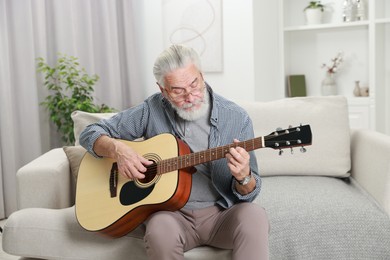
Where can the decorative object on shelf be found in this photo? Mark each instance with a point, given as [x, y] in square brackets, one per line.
[364, 91]
[314, 12]
[360, 10]
[348, 7]
[356, 90]
[329, 86]
[296, 86]
[359, 91]
[354, 10]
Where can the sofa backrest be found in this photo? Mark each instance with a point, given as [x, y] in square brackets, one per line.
[329, 154]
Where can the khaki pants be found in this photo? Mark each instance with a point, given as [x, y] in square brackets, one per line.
[242, 228]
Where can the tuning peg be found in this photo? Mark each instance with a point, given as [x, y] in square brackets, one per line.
[290, 126]
[278, 129]
[292, 150]
[280, 152]
[303, 149]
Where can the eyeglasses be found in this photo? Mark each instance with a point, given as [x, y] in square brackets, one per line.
[180, 94]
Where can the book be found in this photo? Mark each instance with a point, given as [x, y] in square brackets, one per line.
[296, 85]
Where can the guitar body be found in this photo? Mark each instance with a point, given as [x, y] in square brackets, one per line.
[111, 204]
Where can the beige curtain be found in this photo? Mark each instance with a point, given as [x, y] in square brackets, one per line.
[2, 209]
[100, 32]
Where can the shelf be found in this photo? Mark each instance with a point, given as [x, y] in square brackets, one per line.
[367, 55]
[326, 26]
[363, 101]
[382, 21]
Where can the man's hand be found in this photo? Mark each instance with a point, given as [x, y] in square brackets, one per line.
[238, 162]
[130, 164]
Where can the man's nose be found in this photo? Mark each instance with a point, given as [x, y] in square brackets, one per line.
[189, 97]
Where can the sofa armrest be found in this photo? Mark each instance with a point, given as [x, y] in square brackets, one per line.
[45, 182]
[370, 153]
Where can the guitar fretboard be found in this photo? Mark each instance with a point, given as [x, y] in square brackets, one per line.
[212, 154]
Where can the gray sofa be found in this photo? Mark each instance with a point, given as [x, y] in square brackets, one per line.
[332, 202]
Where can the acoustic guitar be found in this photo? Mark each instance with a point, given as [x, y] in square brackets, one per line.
[108, 203]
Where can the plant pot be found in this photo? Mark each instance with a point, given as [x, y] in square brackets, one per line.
[313, 16]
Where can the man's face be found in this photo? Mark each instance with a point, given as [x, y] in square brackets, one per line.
[185, 89]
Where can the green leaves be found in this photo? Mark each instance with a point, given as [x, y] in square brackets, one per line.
[314, 5]
[70, 88]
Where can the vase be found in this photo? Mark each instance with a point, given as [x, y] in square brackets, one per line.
[329, 87]
[360, 10]
[347, 11]
[356, 90]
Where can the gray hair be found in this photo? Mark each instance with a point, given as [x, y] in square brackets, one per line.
[174, 57]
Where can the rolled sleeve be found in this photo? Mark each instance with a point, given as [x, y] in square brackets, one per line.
[89, 136]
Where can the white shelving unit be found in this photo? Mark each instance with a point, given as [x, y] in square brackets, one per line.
[366, 48]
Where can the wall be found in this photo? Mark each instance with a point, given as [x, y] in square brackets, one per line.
[237, 80]
[251, 44]
[266, 50]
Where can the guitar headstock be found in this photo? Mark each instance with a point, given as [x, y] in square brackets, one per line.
[299, 136]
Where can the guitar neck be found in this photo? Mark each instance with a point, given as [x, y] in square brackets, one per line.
[212, 154]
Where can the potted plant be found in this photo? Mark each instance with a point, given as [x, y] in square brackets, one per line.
[314, 12]
[70, 88]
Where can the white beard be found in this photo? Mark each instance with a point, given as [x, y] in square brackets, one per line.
[192, 115]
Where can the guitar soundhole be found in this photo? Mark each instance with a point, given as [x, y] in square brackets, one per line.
[151, 175]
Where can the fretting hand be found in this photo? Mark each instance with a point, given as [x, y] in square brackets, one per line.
[238, 162]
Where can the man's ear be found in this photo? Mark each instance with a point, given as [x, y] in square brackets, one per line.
[164, 93]
[160, 87]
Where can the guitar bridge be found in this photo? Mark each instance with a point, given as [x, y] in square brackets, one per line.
[113, 180]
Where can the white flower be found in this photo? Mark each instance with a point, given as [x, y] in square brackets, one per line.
[336, 61]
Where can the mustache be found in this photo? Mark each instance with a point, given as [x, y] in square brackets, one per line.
[196, 102]
[194, 114]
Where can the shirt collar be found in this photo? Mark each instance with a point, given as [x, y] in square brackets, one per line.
[214, 106]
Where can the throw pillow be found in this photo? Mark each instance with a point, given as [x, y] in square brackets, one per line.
[75, 154]
[82, 119]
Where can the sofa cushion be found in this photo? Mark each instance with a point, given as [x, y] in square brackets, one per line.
[316, 217]
[75, 154]
[82, 119]
[56, 234]
[329, 154]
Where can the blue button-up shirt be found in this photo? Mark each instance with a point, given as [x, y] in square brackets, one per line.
[156, 116]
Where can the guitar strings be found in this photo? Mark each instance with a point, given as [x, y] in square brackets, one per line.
[152, 169]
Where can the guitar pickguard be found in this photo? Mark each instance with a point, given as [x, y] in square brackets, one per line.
[131, 193]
